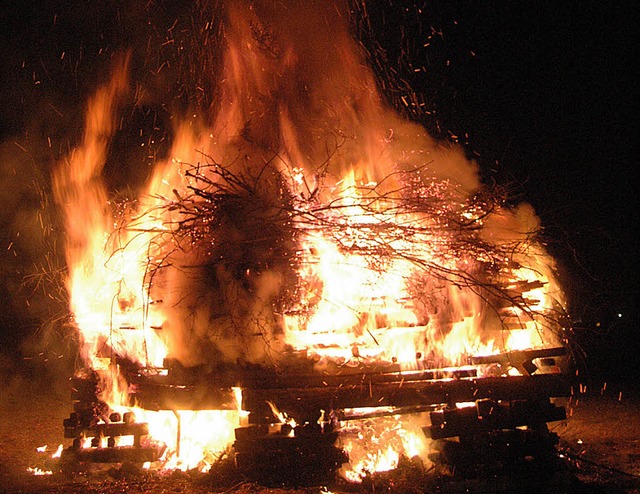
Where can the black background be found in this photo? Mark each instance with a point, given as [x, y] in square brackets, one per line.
[542, 93]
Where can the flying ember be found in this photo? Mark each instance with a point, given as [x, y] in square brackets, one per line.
[299, 226]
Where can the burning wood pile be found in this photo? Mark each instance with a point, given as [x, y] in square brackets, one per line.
[304, 263]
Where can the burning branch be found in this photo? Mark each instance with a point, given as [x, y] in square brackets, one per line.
[238, 232]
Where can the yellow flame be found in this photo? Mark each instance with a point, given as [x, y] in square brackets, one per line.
[376, 445]
[352, 307]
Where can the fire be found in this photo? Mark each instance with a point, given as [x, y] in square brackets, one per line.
[329, 226]
[376, 444]
[106, 279]
[193, 439]
[352, 298]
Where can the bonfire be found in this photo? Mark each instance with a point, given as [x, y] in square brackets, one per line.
[299, 231]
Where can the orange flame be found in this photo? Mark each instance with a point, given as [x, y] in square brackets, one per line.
[375, 445]
[143, 290]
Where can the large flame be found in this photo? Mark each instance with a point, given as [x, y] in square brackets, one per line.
[334, 227]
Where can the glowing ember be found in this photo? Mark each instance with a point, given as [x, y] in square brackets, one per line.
[376, 444]
[38, 471]
[302, 216]
[45, 471]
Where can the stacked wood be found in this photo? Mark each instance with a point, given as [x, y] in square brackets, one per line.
[303, 454]
[303, 394]
[95, 429]
[491, 415]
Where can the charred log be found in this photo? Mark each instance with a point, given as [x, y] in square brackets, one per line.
[292, 456]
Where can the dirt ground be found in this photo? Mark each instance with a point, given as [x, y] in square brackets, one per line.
[599, 449]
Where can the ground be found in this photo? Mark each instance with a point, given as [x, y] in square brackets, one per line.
[599, 449]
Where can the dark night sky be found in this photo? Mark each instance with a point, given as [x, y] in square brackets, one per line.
[544, 90]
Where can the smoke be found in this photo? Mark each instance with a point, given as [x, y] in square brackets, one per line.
[35, 343]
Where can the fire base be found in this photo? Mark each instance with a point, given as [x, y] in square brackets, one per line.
[294, 456]
[477, 424]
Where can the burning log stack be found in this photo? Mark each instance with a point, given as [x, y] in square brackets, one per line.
[97, 431]
[484, 409]
[476, 424]
[304, 253]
